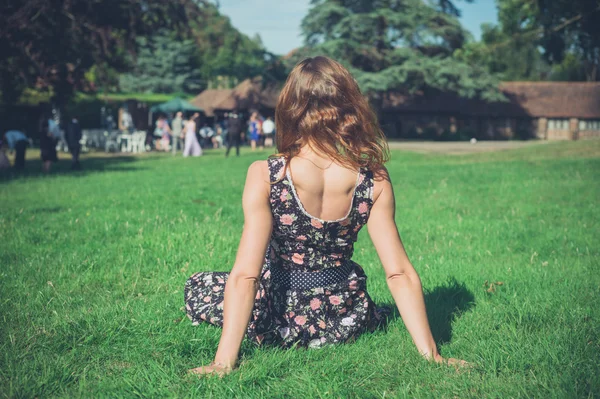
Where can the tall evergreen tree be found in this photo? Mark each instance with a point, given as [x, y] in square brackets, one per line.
[164, 64]
[394, 45]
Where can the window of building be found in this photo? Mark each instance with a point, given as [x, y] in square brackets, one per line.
[589, 124]
[558, 124]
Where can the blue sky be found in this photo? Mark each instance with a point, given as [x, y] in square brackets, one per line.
[278, 21]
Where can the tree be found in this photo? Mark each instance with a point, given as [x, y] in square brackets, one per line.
[53, 43]
[540, 40]
[510, 48]
[226, 53]
[448, 7]
[394, 45]
[572, 27]
[164, 64]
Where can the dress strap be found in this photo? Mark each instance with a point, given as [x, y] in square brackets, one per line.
[276, 168]
[277, 179]
[363, 200]
[365, 186]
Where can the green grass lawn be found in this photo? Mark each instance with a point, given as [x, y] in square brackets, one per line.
[93, 263]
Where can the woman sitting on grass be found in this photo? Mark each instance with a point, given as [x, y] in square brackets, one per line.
[304, 208]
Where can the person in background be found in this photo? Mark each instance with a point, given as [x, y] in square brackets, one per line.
[47, 145]
[17, 141]
[73, 142]
[126, 121]
[253, 129]
[224, 127]
[163, 131]
[261, 134]
[192, 147]
[217, 139]
[268, 127]
[177, 132]
[207, 133]
[4, 162]
[234, 132]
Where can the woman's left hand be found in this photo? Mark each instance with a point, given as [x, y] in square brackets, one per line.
[211, 369]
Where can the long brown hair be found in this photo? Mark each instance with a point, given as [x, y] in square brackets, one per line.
[321, 106]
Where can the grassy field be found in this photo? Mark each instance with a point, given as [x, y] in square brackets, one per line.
[92, 267]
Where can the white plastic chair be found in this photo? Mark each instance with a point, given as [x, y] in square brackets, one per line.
[138, 141]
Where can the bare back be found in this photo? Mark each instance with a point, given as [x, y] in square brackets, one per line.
[324, 189]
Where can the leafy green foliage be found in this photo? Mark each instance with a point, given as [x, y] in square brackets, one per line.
[540, 40]
[510, 49]
[164, 64]
[54, 44]
[400, 45]
[448, 7]
[572, 27]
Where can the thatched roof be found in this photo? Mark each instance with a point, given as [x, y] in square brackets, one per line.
[250, 94]
[209, 98]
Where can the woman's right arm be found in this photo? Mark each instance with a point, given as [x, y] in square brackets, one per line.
[402, 279]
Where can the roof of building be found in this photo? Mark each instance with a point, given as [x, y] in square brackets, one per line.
[209, 98]
[250, 94]
[555, 99]
[524, 99]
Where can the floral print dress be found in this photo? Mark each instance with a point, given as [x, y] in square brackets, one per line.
[300, 244]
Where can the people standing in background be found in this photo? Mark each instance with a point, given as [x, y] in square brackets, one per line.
[268, 127]
[73, 138]
[17, 141]
[253, 129]
[47, 145]
[192, 147]
[234, 132]
[177, 132]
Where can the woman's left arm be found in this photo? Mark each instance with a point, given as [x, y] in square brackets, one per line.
[243, 280]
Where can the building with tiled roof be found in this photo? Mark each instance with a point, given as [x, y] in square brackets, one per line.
[544, 110]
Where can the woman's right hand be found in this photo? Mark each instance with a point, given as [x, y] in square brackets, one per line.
[457, 363]
[214, 368]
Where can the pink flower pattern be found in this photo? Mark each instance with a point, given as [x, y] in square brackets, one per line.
[298, 258]
[363, 208]
[286, 219]
[312, 317]
[315, 303]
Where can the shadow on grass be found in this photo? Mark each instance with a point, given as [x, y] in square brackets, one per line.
[90, 164]
[445, 304]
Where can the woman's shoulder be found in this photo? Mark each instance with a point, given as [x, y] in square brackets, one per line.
[258, 173]
[381, 181]
[259, 168]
